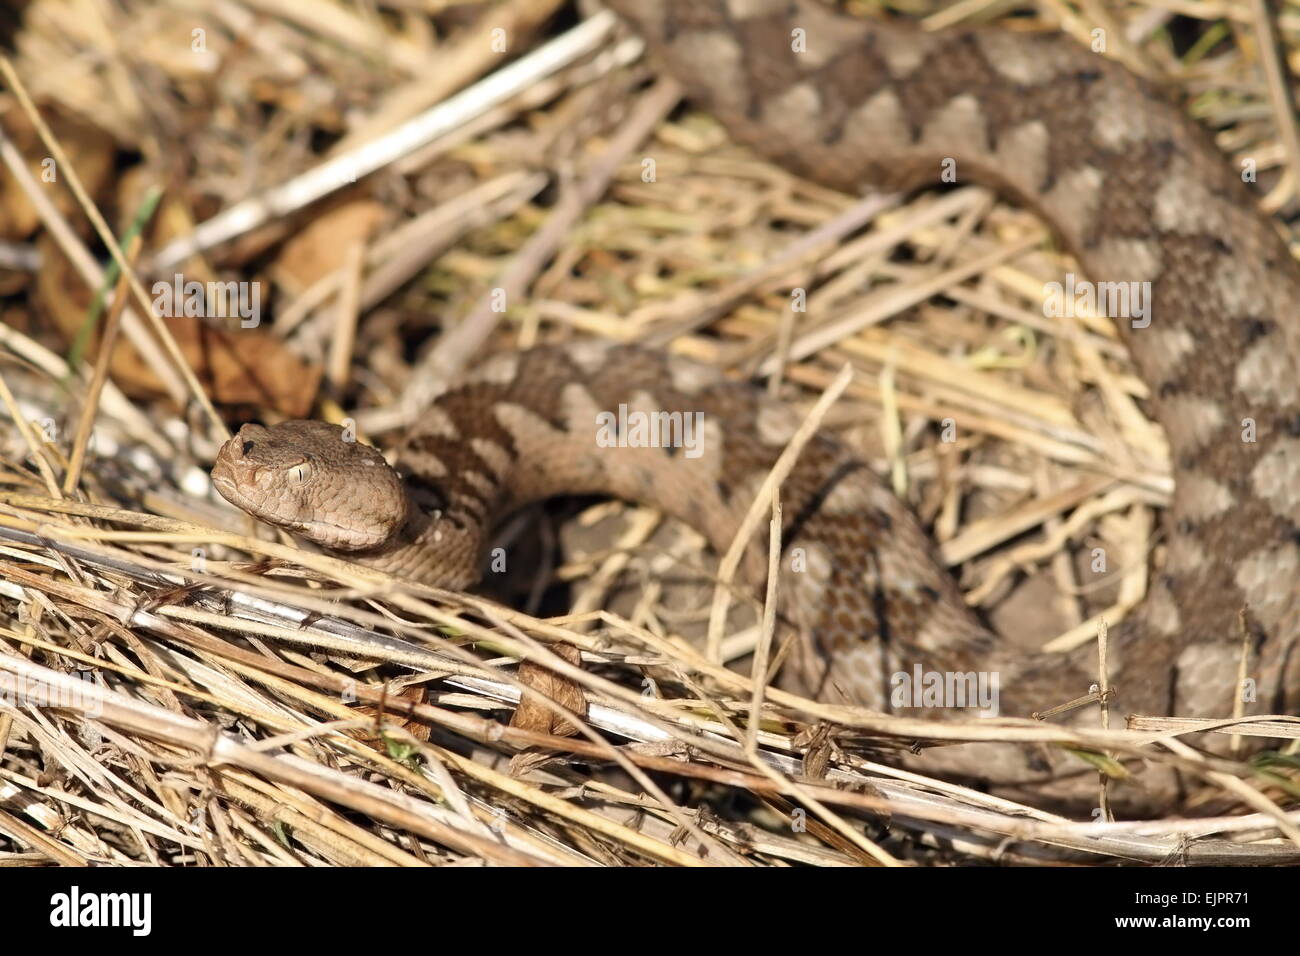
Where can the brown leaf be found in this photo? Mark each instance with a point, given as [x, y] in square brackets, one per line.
[817, 756]
[535, 716]
[89, 149]
[235, 366]
[322, 245]
[247, 367]
[392, 713]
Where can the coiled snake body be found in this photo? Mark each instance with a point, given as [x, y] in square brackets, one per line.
[1136, 191]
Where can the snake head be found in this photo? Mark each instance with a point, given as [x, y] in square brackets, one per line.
[311, 479]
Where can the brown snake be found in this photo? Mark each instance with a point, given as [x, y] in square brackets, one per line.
[1136, 190]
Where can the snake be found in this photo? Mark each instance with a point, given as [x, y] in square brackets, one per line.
[1135, 189]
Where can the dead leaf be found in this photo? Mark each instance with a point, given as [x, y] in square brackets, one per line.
[322, 245]
[535, 716]
[818, 753]
[89, 149]
[393, 713]
[235, 366]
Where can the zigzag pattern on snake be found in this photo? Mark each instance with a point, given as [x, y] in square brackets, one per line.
[1137, 192]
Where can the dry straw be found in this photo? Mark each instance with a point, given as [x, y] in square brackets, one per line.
[257, 704]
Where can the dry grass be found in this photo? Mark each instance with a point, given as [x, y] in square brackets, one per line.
[302, 711]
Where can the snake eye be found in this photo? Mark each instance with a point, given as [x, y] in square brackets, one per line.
[300, 472]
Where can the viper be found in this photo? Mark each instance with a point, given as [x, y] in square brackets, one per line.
[1134, 189]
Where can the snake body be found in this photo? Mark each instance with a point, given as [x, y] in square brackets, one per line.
[1136, 191]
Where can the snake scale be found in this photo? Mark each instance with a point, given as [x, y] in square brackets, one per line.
[1136, 190]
